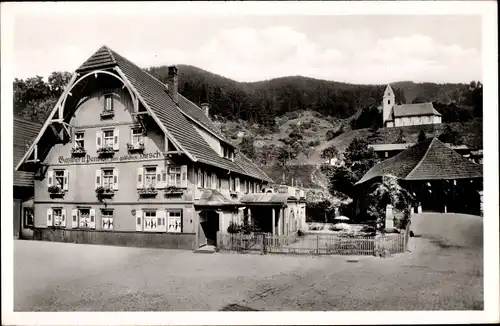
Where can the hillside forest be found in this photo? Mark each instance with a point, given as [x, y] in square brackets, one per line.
[286, 123]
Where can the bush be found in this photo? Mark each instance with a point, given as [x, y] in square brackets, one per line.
[314, 143]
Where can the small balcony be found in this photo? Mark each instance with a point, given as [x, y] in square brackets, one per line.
[135, 148]
[105, 151]
[147, 192]
[56, 192]
[78, 151]
[107, 114]
[104, 193]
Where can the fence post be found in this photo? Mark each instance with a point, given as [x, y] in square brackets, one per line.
[263, 244]
[317, 244]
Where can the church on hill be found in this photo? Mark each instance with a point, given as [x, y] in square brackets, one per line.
[397, 115]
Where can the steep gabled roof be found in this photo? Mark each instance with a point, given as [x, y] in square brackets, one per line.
[427, 160]
[24, 133]
[101, 59]
[170, 115]
[415, 109]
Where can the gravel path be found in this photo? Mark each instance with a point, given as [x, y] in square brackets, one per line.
[438, 274]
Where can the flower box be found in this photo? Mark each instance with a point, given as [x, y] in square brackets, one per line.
[55, 191]
[78, 151]
[135, 147]
[104, 192]
[150, 191]
[107, 114]
[105, 151]
[173, 191]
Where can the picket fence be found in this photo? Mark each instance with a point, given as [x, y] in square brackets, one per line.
[314, 244]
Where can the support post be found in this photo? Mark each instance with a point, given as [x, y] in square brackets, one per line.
[389, 217]
[274, 220]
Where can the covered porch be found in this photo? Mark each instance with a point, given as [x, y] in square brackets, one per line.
[269, 213]
[215, 211]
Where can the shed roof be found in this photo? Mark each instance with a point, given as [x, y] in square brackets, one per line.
[267, 199]
[213, 198]
[24, 133]
[428, 160]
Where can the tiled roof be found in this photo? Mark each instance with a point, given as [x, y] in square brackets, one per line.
[415, 109]
[102, 58]
[428, 160]
[170, 114]
[195, 113]
[267, 198]
[212, 198]
[250, 168]
[24, 133]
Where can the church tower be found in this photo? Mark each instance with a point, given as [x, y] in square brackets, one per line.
[387, 104]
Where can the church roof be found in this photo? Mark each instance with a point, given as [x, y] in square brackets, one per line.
[427, 160]
[415, 109]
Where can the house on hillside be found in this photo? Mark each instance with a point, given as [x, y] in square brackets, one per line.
[126, 159]
[24, 132]
[440, 179]
[396, 115]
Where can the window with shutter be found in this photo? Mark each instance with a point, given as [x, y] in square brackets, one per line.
[49, 217]
[57, 216]
[138, 222]
[140, 180]
[107, 219]
[50, 178]
[74, 218]
[175, 221]
[65, 180]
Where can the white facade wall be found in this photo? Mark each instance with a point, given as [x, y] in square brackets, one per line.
[415, 121]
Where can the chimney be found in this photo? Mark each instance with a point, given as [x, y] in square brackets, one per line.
[205, 107]
[173, 82]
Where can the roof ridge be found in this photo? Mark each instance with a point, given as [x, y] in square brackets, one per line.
[423, 157]
[110, 53]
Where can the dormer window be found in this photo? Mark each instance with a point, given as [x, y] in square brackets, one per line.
[228, 153]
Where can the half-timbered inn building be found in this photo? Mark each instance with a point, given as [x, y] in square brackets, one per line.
[126, 159]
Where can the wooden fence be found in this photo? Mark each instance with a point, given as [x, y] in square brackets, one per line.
[315, 244]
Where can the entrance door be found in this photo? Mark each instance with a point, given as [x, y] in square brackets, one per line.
[210, 227]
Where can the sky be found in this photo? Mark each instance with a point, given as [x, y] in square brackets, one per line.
[346, 48]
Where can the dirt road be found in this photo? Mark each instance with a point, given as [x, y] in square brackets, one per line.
[441, 274]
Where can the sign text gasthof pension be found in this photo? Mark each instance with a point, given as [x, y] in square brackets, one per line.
[88, 158]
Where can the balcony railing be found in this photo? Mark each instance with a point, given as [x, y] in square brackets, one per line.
[107, 114]
[106, 150]
[135, 147]
[78, 151]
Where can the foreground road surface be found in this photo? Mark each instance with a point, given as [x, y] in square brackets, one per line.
[440, 273]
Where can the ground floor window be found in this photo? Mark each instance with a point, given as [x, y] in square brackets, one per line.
[28, 217]
[175, 221]
[57, 213]
[107, 219]
[153, 221]
[86, 218]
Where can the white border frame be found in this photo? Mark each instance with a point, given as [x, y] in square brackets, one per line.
[487, 9]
